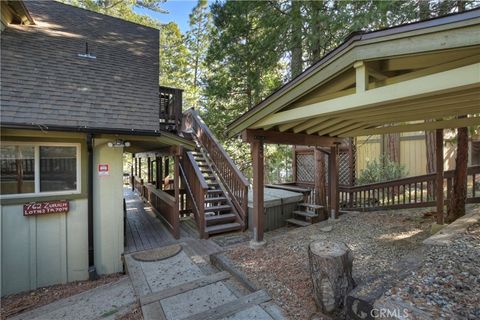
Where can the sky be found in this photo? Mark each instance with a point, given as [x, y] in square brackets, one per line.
[179, 11]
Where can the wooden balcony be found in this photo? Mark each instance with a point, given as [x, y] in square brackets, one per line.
[170, 109]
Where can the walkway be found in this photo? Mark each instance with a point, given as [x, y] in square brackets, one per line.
[143, 229]
[187, 286]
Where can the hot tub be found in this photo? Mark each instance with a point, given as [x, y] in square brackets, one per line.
[278, 204]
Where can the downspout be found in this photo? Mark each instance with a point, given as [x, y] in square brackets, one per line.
[92, 270]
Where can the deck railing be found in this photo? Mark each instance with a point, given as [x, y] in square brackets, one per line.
[170, 109]
[164, 204]
[232, 178]
[405, 193]
[196, 188]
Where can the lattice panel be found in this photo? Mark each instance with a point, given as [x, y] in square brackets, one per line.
[305, 167]
[344, 169]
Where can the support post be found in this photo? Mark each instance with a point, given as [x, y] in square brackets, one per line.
[158, 172]
[333, 171]
[140, 168]
[132, 179]
[258, 203]
[176, 186]
[439, 168]
[149, 170]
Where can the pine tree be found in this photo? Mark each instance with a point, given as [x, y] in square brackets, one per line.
[197, 43]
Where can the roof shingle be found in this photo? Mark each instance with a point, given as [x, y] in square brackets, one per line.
[44, 81]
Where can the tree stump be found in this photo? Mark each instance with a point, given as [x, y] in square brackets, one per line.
[331, 273]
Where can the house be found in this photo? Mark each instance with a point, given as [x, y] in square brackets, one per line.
[78, 89]
[380, 82]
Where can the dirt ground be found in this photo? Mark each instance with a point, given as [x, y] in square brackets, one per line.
[21, 302]
[377, 239]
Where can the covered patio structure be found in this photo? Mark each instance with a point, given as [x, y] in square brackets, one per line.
[414, 77]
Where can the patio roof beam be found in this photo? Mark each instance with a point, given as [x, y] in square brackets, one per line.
[299, 139]
[423, 126]
[447, 81]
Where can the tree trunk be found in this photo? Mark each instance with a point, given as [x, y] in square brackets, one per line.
[296, 62]
[331, 273]
[391, 146]
[424, 9]
[456, 208]
[431, 168]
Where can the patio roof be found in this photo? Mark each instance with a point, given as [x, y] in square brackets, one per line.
[382, 82]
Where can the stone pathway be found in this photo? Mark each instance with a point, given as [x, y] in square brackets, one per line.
[187, 286]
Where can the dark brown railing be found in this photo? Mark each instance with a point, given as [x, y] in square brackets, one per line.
[196, 188]
[170, 115]
[164, 204]
[232, 178]
[404, 193]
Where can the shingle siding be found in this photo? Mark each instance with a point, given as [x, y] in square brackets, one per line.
[44, 81]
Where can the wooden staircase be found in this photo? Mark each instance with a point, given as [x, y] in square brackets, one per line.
[220, 215]
[216, 189]
[305, 215]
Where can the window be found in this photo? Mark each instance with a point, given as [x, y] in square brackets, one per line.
[39, 169]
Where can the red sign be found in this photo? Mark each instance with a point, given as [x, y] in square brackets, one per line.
[103, 170]
[37, 208]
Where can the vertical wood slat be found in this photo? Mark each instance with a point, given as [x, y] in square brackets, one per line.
[393, 194]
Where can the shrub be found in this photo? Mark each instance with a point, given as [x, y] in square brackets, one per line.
[380, 170]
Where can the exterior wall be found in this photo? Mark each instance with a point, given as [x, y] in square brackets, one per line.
[43, 250]
[108, 208]
[413, 152]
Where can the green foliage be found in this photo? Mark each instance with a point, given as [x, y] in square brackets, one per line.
[382, 169]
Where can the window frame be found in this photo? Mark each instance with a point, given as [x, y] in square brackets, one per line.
[36, 175]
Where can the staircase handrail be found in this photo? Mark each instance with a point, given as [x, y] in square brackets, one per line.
[233, 179]
[196, 187]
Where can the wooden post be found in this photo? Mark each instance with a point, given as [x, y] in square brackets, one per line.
[258, 205]
[132, 179]
[140, 168]
[149, 170]
[320, 196]
[333, 171]
[158, 172]
[439, 165]
[176, 186]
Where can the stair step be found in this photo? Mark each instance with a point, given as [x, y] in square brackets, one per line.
[219, 228]
[224, 207]
[202, 165]
[312, 206]
[220, 218]
[214, 191]
[300, 223]
[307, 214]
[215, 199]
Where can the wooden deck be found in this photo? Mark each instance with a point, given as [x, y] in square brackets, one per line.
[143, 229]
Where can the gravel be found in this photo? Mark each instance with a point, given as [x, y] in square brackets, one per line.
[447, 286]
[377, 239]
